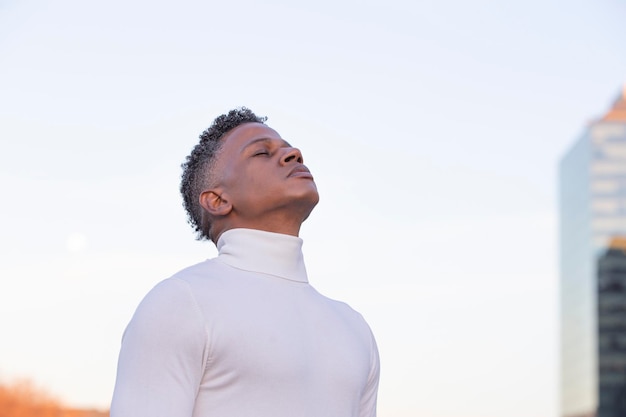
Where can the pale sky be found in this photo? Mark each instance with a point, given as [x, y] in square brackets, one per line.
[433, 129]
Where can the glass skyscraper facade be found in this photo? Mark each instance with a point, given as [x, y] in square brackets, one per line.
[612, 330]
[592, 206]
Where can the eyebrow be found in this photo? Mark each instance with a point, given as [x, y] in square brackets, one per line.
[264, 139]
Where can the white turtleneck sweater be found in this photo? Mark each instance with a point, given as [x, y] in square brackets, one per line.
[245, 335]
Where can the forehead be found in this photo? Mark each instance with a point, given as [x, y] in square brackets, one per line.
[243, 135]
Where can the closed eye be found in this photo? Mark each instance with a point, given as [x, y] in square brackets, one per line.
[262, 152]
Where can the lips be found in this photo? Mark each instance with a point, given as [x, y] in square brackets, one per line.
[300, 171]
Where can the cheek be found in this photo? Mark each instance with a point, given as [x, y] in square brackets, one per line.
[254, 181]
[257, 184]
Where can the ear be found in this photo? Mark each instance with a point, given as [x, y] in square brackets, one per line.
[215, 203]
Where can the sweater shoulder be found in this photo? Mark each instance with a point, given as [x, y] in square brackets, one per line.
[205, 269]
[207, 273]
[178, 292]
[347, 312]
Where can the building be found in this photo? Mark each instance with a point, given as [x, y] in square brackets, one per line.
[592, 208]
[612, 330]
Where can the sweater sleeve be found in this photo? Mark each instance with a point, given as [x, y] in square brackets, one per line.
[370, 393]
[162, 357]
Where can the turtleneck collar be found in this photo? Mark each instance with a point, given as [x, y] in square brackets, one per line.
[265, 252]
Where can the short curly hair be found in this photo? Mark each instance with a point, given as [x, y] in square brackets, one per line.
[199, 165]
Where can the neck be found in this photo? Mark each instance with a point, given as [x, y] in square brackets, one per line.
[274, 254]
[281, 226]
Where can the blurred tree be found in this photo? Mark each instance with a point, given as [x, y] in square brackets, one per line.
[24, 399]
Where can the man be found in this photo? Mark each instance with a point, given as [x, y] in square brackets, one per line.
[244, 334]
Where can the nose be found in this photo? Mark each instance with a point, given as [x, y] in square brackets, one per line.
[292, 154]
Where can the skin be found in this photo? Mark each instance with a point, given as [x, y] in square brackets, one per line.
[260, 183]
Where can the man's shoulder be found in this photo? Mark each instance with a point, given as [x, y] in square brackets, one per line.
[184, 281]
[350, 322]
[184, 286]
[343, 308]
[202, 270]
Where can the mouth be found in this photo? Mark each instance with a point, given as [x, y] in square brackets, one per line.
[300, 171]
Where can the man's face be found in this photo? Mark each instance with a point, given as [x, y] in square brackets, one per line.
[262, 176]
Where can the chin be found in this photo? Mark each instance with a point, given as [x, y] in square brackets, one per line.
[307, 203]
[312, 197]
